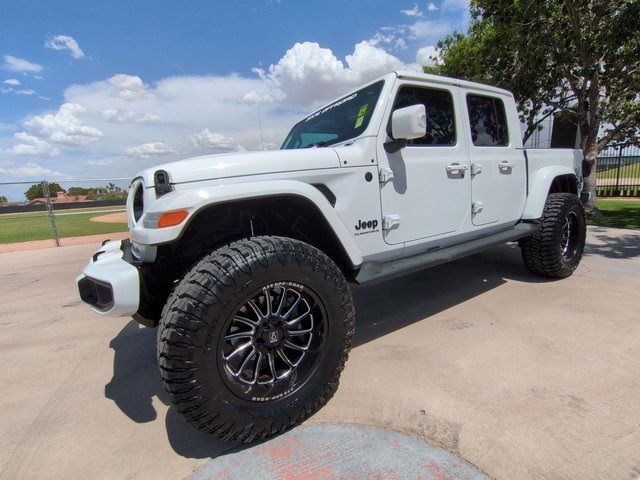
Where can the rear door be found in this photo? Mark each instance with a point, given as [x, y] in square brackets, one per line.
[498, 169]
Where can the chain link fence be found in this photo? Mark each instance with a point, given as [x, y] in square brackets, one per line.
[618, 171]
[52, 211]
[57, 210]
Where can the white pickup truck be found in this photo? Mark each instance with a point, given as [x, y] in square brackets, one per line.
[243, 260]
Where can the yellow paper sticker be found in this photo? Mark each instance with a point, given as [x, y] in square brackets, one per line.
[359, 121]
[363, 110]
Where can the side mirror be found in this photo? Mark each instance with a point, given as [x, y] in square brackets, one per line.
[406, 124]
[409, 122]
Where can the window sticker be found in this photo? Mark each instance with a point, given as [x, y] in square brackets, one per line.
[361, 114]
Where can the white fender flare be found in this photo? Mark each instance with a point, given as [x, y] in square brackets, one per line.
[197, 198]
[539, 187]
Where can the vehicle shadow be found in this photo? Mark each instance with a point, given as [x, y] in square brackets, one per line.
[136, 381]
[381, 309]
[607, 243]
[391, 305]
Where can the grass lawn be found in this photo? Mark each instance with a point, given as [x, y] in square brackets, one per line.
[61, 212]
[35, 226]
[24, 227]
[618, 213]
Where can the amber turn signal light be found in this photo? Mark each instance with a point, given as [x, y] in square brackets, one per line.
[171, 219]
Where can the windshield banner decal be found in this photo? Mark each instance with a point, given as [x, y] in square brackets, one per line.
[334, 105]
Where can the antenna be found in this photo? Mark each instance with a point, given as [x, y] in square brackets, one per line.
[260, 124]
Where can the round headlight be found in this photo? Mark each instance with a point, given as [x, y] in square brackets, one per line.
[138, 201]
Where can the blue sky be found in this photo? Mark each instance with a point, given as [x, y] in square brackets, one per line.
[109, 88]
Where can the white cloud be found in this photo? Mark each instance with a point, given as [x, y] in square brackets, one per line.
[128, 87]
[208, 140]
[254, 97]
[19, 91]
[426, 55]
[20, 65]
[12, 81]
[413, 12]
[129, 116]
[432, 7]
[101, 162]
[182, 105]
[63, 126]
[453, 5]
[148, 150]
[65, 42]
[308, 74]
[32, 145]
[116, 120]
[431, 29]
[368, 61]
[32, 171]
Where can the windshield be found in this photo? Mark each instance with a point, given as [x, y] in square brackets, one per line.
[347, 118]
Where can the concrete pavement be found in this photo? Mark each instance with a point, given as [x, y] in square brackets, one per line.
[524, 378]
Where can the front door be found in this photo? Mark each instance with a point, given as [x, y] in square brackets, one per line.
[430, 192]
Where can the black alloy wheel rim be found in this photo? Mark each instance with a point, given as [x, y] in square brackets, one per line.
[272, 344]
[570, 237]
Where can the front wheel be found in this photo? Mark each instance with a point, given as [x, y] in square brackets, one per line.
[556, 248]
[253, 339]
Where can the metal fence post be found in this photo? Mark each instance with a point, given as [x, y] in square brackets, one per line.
[619, 167]
[52, 219]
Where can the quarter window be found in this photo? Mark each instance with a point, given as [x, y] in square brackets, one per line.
[488, 121]
[438, 104]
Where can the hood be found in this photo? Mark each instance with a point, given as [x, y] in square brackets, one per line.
[210, 167]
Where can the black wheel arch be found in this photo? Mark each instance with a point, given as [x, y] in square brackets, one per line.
[564, 184]
[216, 225]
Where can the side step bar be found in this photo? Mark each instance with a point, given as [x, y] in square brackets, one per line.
[372, 272]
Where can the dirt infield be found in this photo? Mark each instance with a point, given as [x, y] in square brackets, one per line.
[120, 217]
[64, 242]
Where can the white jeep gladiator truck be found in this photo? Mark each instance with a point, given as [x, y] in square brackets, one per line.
[244, 260]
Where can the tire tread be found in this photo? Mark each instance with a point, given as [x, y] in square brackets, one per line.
[200, 288]
[540, 251]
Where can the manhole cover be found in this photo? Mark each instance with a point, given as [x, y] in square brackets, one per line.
[339, 451]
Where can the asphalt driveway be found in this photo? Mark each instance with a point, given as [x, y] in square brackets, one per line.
[524, 378]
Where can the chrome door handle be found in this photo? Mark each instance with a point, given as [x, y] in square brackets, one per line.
[456, 168]
[504, 165]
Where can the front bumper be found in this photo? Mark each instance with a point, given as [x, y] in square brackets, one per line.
[109, 283]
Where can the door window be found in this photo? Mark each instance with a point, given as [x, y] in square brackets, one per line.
[438, 104]
[488, 121]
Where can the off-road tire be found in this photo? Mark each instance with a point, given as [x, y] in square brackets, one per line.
[193, 322]
[544, 252]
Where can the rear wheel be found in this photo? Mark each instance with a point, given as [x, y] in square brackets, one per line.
[253, 339]
[555, 250]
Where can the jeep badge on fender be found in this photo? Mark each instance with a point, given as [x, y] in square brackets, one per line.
[364, 224]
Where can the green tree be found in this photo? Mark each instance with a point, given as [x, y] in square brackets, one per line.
[113, 188]
[72, 191]
[3, 200]
[577, 57]
[37, 191]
